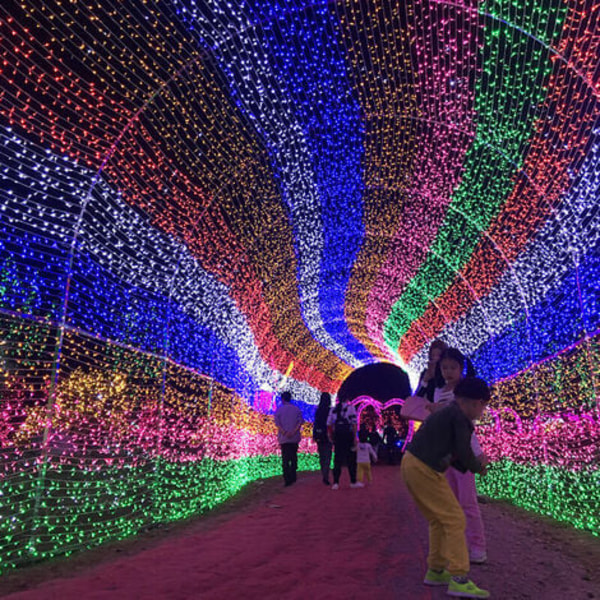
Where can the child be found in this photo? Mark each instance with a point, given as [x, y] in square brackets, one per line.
[444, 439]
[453, 365]
[364, 454]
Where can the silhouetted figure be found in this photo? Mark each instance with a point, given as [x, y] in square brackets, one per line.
[390, 437]
[341, 426]
[320, 436]
[374, 439]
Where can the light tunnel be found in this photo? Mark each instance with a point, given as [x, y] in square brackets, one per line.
[204, 203]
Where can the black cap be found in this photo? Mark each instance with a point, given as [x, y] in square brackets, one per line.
[472, 388]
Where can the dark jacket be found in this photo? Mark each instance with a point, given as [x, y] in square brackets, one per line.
[427, 390]
[320, 426]
[444, 440]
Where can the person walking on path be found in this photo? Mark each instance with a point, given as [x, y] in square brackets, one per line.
[288, 419]
[341, 427]
[320, 436]
[444, 439]
[364, 455]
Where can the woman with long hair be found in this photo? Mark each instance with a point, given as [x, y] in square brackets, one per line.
[324, 445]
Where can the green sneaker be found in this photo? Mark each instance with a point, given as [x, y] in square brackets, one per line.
[434, 578]
[466, 590]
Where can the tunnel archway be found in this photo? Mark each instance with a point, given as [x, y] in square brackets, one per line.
[381, 381]
[379, 388]
[198, 212]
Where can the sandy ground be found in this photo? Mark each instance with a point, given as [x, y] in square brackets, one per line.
[308, 541]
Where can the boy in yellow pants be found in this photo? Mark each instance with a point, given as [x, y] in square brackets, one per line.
[444, 439]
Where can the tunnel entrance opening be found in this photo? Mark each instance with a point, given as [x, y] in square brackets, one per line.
[378, 391]
[381, 381]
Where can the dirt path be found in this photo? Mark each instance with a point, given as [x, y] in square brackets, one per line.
[308, 541]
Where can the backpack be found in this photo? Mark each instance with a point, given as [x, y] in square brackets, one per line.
[342, 429]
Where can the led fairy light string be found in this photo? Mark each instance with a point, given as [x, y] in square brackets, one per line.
[486, 328]
[473, 225]
[533, 394]
[495, 174]
[313, 82]
[424, 333]
[378, 48]
[59, 87]
[567, 101]
[553, 248]
[161, 416]
[565, 382]
[43, 460]
[570, 260]
[265, 231]
[579, 217]
[555, 492]
[229, 276]
[188, 484]
[555, 453]
[468, 288]
[78, 344]
[362, 402]
[77, 228]
[130, 182]
[171, 295]
[550, 463]
[446, 61]
[557, 445]
[335, 136]
[125, 484]
[154, 243]
[26, 365]
[487, 319]
[556, 322]
[255, 46]
[574, 6]
[221, 43]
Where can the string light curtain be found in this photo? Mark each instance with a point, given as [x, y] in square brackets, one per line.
[205, 202]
